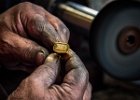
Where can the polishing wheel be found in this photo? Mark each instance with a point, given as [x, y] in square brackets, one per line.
[115, 39]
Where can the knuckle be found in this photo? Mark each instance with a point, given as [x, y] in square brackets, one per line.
[65, 29]
[71, 94]
[31, 80]
[83, 76]
[84, 71]
[25, 4]
[62, 26]
[27, 54]
[37, 24]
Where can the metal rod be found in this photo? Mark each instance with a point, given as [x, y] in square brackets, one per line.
[77, 14]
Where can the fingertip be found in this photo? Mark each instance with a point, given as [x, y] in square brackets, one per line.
[68, 55]
[54, 57]
[41, 56]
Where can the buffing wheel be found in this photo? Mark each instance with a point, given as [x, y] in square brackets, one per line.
[115, 39]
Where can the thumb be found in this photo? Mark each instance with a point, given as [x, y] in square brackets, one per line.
[20, 49]
[48, 71]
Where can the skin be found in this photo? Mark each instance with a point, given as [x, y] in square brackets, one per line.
[27, 34]
[40, 84]
[26, 31]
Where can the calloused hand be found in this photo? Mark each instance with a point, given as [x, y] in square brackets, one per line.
[40, 85]
[26, 30]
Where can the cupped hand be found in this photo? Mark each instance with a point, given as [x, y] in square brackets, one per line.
[26, 30]
[40, 85]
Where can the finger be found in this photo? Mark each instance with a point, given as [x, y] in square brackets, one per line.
[88, 92]
[40, 29]
[60, 27]
[22, 49]
[48, 71]
[47, 29]
[77, 76]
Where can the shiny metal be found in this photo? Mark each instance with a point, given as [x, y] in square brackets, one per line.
[77, 15]
[60, 47]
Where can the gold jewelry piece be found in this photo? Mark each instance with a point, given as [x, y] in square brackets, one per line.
[60, 47]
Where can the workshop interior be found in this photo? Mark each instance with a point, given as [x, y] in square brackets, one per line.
[106, 36]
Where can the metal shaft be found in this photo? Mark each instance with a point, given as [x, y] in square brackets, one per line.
[77, 15]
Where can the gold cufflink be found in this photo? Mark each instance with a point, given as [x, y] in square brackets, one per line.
[60, 47]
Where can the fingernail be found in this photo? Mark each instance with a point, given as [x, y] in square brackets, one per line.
[52, 58]
[40, 58]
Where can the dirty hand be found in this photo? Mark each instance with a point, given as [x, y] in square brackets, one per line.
[24, 30]
[40, 85]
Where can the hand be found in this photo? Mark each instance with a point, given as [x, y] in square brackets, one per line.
[24, 29]
[40, 85]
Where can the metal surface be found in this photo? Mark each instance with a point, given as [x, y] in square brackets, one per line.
[114, 45]
[60, 47]
[76, 14]
[129, 40]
